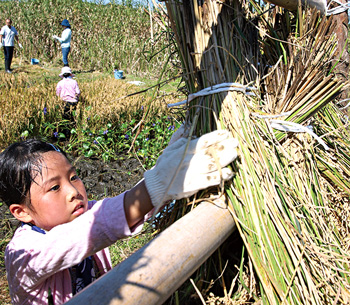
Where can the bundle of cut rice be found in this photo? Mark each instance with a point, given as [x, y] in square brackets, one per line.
[269, 81]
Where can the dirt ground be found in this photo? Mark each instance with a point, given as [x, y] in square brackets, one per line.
[100, 179]
[108, 179]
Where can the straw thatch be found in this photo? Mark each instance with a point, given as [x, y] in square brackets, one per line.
[290, 194]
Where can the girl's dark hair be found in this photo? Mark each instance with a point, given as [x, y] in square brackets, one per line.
[66, 75]
[20, 163]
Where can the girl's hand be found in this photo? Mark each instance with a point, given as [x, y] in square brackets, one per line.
[185, 168]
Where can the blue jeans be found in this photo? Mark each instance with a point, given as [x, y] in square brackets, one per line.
[65, 52]
[8, 54]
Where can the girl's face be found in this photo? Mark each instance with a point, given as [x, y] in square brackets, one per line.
[57, 195]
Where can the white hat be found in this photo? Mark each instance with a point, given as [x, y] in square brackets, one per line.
[66, 70]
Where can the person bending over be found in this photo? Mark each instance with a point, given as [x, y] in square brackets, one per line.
[68, 90]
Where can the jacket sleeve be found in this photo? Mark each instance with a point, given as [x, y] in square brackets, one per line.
[58, 89]
[65, 36]
[32, 257]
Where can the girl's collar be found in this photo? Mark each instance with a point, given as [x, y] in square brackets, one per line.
[34, 227]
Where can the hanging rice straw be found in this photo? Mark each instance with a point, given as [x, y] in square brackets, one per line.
[288, 193]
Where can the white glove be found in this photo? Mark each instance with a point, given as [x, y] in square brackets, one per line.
[1, 45]
[20, 45]
[178, 134]
[54, 36]
[198, 170]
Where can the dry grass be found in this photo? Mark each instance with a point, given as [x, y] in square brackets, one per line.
[108, 98]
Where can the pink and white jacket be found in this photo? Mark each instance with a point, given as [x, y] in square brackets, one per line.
[68, 90]
[36, 263]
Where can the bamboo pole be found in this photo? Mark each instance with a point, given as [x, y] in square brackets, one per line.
[155, 271]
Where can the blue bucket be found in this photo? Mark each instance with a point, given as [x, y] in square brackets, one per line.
[34, 61]
[118, 74]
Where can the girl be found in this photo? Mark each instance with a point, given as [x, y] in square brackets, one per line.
[61, 246]
[65, 41]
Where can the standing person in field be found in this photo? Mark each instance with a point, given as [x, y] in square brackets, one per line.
[68, 90]
[61, 245]
[65, 41]
[8, 34]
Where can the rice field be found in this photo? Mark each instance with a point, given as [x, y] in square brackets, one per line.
[31, 105]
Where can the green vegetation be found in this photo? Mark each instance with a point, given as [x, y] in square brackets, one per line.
[110, 140]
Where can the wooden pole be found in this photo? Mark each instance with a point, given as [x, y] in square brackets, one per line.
[155, 271]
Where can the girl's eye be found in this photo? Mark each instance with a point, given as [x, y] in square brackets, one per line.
[55, 188]
[75, 177]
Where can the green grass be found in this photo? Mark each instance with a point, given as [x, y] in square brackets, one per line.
[122, 249]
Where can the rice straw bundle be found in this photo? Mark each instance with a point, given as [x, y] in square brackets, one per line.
[290, 188]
